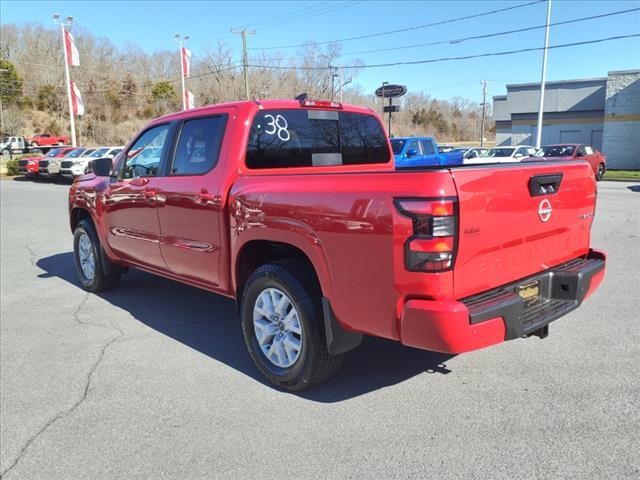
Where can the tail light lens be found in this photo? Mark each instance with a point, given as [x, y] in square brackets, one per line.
[320, 104]
[432, 245]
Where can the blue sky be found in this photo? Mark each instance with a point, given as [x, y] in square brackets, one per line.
[152, 24]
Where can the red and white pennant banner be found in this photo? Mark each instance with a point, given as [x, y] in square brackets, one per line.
[186, 62]
[76, 101]
[190, 100]
[73, 57]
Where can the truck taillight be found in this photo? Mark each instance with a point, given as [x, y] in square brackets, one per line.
[320, 104]
[432, 245]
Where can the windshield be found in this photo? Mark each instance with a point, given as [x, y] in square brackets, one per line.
[556, 151]
[75, 153]
[500, 152]
[54, 152]
[6, 140]
[99, 153]
[397, 145]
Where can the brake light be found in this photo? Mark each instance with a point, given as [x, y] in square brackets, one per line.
[432, 245]
[320, 104]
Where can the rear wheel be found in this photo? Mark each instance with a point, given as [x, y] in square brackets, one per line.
[600, 172]
[283, 326]
[60, 144]
[88, 260]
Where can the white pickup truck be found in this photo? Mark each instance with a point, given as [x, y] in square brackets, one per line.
[16, 144]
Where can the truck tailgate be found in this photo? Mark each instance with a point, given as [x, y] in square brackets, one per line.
[513, 222]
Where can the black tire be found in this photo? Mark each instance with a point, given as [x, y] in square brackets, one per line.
[6, 151]
[314, 364]
[100, 281]
[600, 172]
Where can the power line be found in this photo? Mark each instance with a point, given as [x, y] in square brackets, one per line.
[293, 16]
[407, 29]
[465, 57]
[496, 34]
[306, 15]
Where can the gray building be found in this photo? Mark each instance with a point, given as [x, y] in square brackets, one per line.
[603, 112]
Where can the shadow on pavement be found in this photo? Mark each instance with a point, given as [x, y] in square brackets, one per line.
[634, 188]
[209, 323]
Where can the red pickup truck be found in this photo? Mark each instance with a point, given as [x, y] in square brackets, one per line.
[44, 139]
[295, 210]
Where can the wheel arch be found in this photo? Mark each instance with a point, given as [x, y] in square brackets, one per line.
[254, 253]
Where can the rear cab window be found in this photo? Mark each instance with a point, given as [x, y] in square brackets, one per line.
[290, 138]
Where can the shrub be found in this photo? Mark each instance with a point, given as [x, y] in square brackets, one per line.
[12, 167]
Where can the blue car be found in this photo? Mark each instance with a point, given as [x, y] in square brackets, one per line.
[421, 152]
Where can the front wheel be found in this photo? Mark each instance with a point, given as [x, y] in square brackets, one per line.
[34, 144]
[283, 327]
[88, 260]
[600, 172]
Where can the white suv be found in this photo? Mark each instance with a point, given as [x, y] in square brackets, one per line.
[77, 167]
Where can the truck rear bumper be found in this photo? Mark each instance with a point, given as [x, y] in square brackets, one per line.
[500, 314]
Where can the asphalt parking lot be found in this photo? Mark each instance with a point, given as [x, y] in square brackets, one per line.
[153, 381]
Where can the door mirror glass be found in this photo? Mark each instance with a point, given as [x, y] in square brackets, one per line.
[101, 167]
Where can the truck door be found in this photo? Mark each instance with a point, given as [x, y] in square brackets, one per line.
[429, 155]
[190, 201]
[131, 216]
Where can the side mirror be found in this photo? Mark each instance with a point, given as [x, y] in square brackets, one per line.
[412, 152]
[518, 155]
[101, 167]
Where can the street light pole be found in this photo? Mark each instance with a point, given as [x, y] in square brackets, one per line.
[184, 89]
[72, 123]
[543, 77]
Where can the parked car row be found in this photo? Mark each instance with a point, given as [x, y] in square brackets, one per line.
[412, 152]
[64, 162]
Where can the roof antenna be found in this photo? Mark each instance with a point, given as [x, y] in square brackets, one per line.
[302, 97]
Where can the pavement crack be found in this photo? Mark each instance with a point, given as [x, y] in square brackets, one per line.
[87, 385]
[33, 257]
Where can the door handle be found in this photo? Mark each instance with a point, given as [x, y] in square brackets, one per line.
[204, 197]
[139, 182]
[149, 192]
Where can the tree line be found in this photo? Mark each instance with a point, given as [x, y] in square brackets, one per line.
[124, 87]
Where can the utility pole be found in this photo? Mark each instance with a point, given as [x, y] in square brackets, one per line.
[245, 58]
[543, 77]
[184, 88]
[2, 70]
[334, 74]
[72, 124]
[484, 109]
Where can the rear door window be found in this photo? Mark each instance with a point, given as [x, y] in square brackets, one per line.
[427, 147]
[199, 145]
[315, 138]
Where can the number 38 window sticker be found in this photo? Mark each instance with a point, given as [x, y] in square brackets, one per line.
[277, 125]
